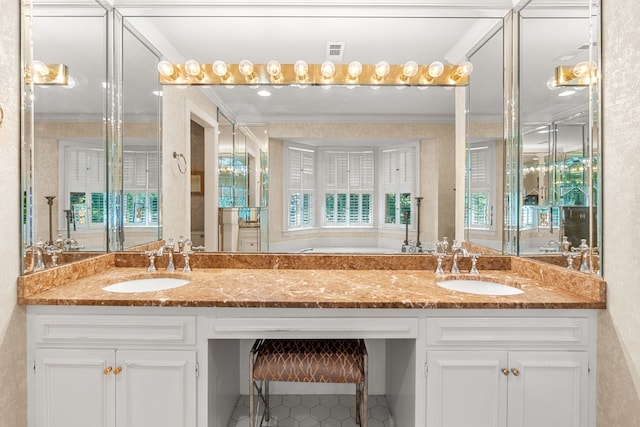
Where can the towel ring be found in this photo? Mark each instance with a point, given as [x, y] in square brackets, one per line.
[181, 168]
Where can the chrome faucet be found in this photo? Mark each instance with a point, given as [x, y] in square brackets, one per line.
[186, 252]
[442, 246]
[458, 250]
[585, 251]
[37, 257]
[169, 249]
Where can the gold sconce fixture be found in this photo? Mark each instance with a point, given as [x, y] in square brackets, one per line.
[582, 74]
[302, 73]
[46, 74]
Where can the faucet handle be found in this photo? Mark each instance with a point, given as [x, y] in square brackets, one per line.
[439, 269]
[474, 261]
[152, 258]
[187, 266]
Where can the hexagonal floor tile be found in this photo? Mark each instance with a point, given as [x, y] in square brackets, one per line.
[315, 411]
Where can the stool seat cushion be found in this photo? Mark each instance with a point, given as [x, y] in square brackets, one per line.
[324, 361]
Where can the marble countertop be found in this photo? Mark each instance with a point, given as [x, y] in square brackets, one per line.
[332, 281]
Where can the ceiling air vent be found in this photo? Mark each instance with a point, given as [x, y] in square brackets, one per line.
[335, 50]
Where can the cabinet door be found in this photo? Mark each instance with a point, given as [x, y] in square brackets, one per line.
[74, 388]
[548, 389]
[466, 388]
[156, 388]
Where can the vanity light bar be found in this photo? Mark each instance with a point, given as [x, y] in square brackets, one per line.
[46, 74]
[582, 74]
[326, 74]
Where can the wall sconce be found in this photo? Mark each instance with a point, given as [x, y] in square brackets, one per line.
[301, 74]
[46, 74]
[582, 74]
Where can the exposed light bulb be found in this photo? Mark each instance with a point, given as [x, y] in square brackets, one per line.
[465, 69]
[274, 68]
[327, 69]
[382, 70]
[192, 68]
[435, 69]
[581, 69]
[354, 69]
[552, 83]
[245, 67]
[39, 68]
[166, 68]
[220, 68]
[301, 68]
[409, 69]
[462, 70]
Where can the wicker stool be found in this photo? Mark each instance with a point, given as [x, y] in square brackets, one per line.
[321, 361]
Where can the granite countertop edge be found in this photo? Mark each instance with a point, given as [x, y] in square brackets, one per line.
[545, 287]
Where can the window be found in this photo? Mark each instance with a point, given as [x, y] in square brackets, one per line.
[480, 201]
[83, 178]
[348, 188]
[398, 185]
[140, 188]
[300, 187]
[83, 183]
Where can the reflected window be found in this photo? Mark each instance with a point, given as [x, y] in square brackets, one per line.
[83, 177]
[348, 187]
[399, 182]
[300, 187]
[481, 173]
[140, 188]
[347, 182]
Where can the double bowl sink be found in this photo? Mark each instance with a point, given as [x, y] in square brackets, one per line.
[470, 285]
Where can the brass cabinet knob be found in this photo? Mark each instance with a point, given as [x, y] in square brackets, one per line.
[505, 371]
[515, 372]
[117, 370]
[108, 370]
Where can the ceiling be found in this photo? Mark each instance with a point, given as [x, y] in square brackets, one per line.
[372, 30]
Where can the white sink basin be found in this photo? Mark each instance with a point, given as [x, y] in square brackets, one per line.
[479, 287]
[146, 285]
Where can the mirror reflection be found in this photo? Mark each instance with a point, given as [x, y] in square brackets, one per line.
[74, 143]
[69, 169]
[560, 160]
[306, 168]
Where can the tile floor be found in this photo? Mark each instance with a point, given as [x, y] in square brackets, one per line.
[313, 410]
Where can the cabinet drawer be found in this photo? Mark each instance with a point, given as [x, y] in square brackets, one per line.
[294, 327]
[527, 332]
[165, 330]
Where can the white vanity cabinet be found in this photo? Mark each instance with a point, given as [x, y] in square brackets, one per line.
[113, 371]
[509, 372]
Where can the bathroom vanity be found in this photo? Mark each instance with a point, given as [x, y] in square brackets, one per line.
[179, 357]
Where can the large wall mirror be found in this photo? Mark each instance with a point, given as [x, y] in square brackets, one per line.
[559, 132]
[73, 206]
[307, 168]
